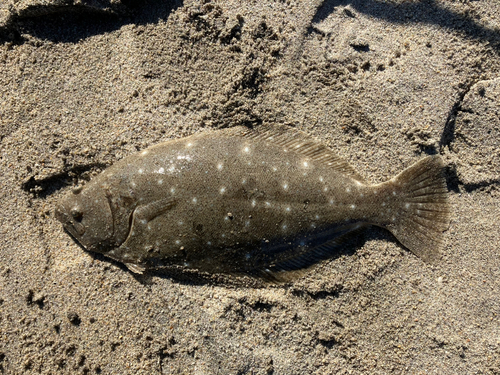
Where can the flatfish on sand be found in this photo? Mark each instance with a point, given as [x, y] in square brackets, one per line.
[262, 202]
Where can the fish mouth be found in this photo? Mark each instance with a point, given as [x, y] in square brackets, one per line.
[75, 228]
[76, 231]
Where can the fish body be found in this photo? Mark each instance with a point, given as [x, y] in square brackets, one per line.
[256, 202]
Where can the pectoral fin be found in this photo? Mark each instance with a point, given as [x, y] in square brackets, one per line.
[151, 210]
[136, 268]
[131, 252]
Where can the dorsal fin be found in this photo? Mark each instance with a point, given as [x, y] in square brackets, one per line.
[294, 140]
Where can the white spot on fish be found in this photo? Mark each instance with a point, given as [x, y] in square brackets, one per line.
[306, 164]
[268, 204]
[144, 153]
[320, 179]
[219, 167]
[244, 181]
[353, 206]
[222, 190]
[316, 217]
[288, 209]
[331, 201]
[195, 200]
[141, 171]
[189, 144]
[393, 193]
[284, 227]
[160, 182]
[184, 157]
[161, 170]
[393, 218]
[348, 189]
[275, 169]
[358, 183]
[209, 243]
[144, 222]
[246, 149]
[172, 190]
[285, 186]
[325, 189]
[383, 204]
[180, 222]
[177, 242]
[254, 202]
[407, 205]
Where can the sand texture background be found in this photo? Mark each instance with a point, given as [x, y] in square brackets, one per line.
[84, 83]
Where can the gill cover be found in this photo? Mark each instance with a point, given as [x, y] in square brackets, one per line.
[86, 215]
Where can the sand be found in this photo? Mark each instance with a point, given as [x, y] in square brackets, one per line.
[384, 83]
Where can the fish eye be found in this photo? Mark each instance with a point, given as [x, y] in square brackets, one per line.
[77, 214]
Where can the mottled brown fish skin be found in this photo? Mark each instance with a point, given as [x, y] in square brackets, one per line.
[257, 202]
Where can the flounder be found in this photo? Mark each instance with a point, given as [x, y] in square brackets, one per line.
[263, 202]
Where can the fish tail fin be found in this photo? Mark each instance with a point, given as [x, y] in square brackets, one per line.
[421, 199]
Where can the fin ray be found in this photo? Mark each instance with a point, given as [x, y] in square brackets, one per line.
[420, 229]
[296, 265]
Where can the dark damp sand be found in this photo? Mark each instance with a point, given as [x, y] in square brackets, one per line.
[383, 84]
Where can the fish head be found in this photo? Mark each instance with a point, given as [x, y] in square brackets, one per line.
[86, 214]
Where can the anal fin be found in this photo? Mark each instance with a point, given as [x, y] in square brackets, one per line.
[296, 263]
